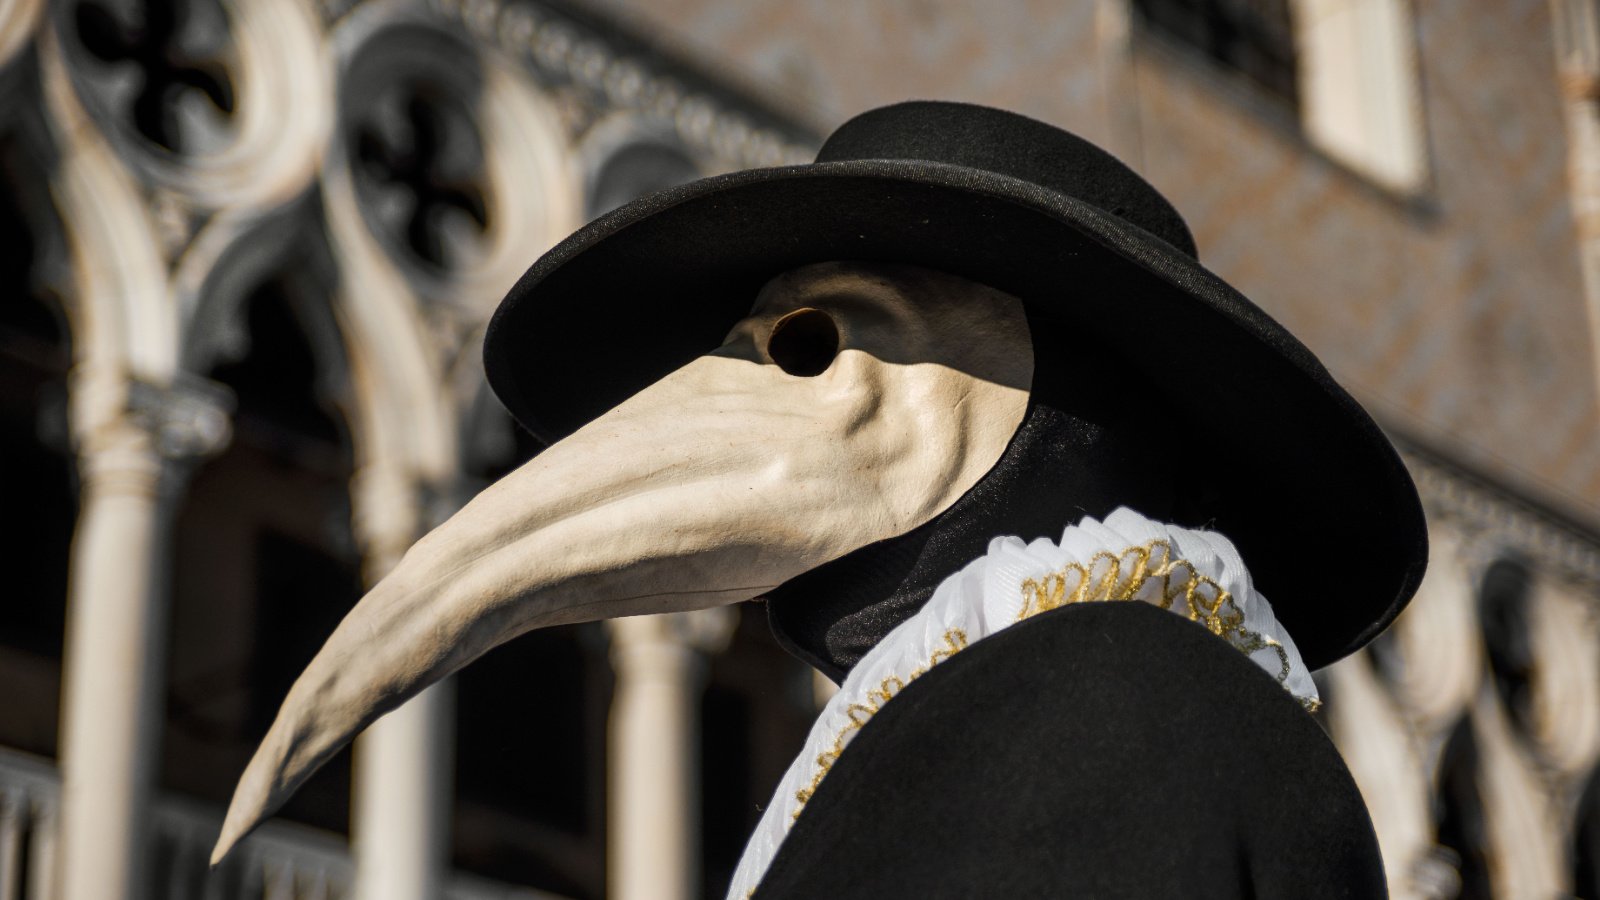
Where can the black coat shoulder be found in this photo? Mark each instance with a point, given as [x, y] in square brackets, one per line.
[1099, 750]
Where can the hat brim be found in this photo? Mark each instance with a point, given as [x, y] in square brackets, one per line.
[646, 288]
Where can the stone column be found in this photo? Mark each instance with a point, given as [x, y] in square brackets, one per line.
[400, 825]
[132, 440]
[653, 846]
[400, 815]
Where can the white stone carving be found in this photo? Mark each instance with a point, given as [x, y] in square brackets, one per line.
[151, 233]
[18, 18]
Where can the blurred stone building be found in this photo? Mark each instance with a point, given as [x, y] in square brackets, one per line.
[248, 249]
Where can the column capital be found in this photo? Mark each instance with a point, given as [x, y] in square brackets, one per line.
[189, 418]
[128, 430]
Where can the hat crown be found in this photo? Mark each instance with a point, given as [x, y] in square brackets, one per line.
[1005, 143]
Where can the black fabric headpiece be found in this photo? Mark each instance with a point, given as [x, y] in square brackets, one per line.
[1299, 476]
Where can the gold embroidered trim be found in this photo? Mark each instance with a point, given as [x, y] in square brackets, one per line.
[1150, 573]
[955, 640]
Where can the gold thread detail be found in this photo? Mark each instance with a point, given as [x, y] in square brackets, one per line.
[955, 640]
[1151, 573]
[1148, 572]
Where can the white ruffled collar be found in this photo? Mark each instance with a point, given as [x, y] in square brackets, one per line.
[1196, 574]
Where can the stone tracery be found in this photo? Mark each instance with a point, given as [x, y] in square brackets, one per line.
[428, 207]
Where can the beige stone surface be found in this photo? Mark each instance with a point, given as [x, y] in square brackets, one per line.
[1460, 316]
[823, 61]
[1457, 315]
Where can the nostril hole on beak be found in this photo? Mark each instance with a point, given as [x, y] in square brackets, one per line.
[804, 342]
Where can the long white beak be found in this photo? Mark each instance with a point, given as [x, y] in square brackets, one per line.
[714, 485]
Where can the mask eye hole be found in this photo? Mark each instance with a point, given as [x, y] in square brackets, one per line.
[804, 342]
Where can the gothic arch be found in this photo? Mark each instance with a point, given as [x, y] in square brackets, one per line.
[230, 260]
[121, 315]
[17, 21]
[40, 474]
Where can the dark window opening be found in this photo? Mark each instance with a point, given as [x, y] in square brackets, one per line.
[38, 482]
[302, 594]
[531, 762]
[531, 720]
[420, 159]
[1251, 37]
[280, 383]
[1586, 841]
[759, 705]
[266, 563]
[728, 718]
[266, 568]
[184, 94]
[1503, 612]
[1459, 811]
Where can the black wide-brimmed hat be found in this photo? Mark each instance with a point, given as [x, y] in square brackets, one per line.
[1095, 254]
